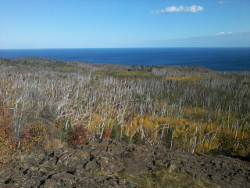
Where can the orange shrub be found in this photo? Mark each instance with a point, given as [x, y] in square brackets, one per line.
[7, 141]
[78, 136]
[107, 134]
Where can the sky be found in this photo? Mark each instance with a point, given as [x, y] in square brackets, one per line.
[36, 24]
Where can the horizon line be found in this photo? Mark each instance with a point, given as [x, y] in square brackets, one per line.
[121, 48]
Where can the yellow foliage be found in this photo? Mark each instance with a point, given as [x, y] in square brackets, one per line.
[35, 135]
[185, 78]
[194, 112]
[95, 122]
[205, 137]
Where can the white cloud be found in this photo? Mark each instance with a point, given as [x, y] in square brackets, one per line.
[224, 33]
[181, 9]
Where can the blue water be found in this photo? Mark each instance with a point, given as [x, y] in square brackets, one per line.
[225, 59]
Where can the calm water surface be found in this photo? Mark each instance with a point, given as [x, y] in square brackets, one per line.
[232, 59]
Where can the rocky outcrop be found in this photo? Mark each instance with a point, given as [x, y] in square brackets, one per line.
[123, 165]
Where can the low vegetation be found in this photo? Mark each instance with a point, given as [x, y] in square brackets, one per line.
[47, 104]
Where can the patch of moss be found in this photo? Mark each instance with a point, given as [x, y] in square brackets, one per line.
[165, 179]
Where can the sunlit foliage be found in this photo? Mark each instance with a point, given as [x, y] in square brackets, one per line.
[189, 109]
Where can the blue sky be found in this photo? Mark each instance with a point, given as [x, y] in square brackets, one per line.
[124, 23]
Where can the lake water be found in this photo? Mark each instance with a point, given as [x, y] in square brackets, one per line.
[225, 59]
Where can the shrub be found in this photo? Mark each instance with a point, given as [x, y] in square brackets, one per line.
[77, 136]
[234, 145]
[7, 141]
[34, 135]
[193, 106]
[107, 134]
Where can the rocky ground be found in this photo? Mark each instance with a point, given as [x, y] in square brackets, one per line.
[123, 165]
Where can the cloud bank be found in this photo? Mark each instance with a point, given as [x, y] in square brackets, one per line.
[181, 9]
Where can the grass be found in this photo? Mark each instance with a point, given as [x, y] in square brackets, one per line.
[191, 109]
[185, 78]
[132, 74]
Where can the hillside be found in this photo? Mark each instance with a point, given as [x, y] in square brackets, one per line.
[83, 125]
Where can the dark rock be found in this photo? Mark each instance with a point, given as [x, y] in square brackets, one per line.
[120, 165]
